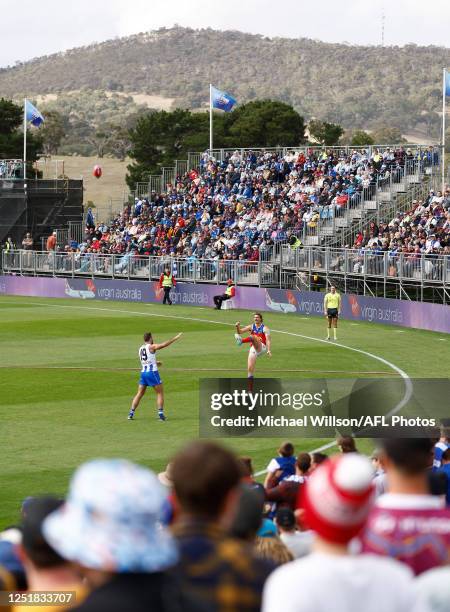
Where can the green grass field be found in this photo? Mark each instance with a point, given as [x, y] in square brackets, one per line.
[69, 368]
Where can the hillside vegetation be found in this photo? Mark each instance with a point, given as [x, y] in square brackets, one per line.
[358, 87]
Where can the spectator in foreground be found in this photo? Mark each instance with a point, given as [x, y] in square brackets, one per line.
[441, 446]
[298, 542]
[45, 569]
[285, 494]
[337, 500]
[379, 479]
[434, 587]
[316, 459]
[407, 522]
[347, 444]
[445, 469]
[273, 549]
[109, 528]
[222, 571]
[282, 466]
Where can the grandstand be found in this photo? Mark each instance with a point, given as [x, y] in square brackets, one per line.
[366, 218]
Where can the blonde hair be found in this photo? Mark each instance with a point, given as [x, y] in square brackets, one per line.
[273, 549]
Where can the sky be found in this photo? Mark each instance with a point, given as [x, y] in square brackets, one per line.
[31, 29]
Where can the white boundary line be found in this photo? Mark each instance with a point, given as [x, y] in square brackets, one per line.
[404, 375]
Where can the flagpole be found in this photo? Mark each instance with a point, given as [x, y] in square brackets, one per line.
[25, 139]
[443, 128]
[210, 120]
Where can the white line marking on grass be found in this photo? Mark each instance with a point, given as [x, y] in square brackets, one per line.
[404, 375]
[442, 339]
[111, 369]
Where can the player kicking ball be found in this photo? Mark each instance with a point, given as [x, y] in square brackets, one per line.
[332, 310]
[150, 375]
[259, 340]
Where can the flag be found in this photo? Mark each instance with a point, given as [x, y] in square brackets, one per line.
[33, 115]
[447, 83]
[222, 99]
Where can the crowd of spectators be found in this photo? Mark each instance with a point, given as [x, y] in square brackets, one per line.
[205, 536]
[240, 207]
[424, 228]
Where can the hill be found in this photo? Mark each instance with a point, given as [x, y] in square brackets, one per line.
[355, 86]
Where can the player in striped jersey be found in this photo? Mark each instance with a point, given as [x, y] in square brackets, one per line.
[259, 340]
[150, 374]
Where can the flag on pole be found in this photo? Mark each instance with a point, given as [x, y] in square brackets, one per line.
[32, 114]
[222, 99]
[447, 83]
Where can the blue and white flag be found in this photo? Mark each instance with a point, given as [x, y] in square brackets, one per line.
[447, 83]
[33, 115]
[222, 99]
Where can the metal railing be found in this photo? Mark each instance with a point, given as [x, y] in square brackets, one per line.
[429, 269]
[366, 262]
[130, 266]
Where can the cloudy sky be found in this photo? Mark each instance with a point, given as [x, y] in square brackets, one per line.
[30, 29]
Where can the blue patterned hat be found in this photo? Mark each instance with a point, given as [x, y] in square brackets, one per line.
[111, 520]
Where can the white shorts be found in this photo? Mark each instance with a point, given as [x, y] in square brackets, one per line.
[263, 350]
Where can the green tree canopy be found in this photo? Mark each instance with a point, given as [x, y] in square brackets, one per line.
[11, 133]
[265, 123]
[361, 138]
[161, 137]
[325, 133]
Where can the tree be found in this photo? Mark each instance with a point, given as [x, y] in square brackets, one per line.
[360, 138]
[53, 131]
[11, 134]
[99, 140]
[161, 137]
[119, 143]
[264, 123]
[325, 133]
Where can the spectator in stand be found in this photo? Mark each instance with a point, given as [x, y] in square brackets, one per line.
[51, 242]
[298, 542]
[222, 571]
[109, 528]
[44, 568]
[337, 500]
[166, 282]
[282, 466]
[229, 293]
[27, 242]
[407, 522]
